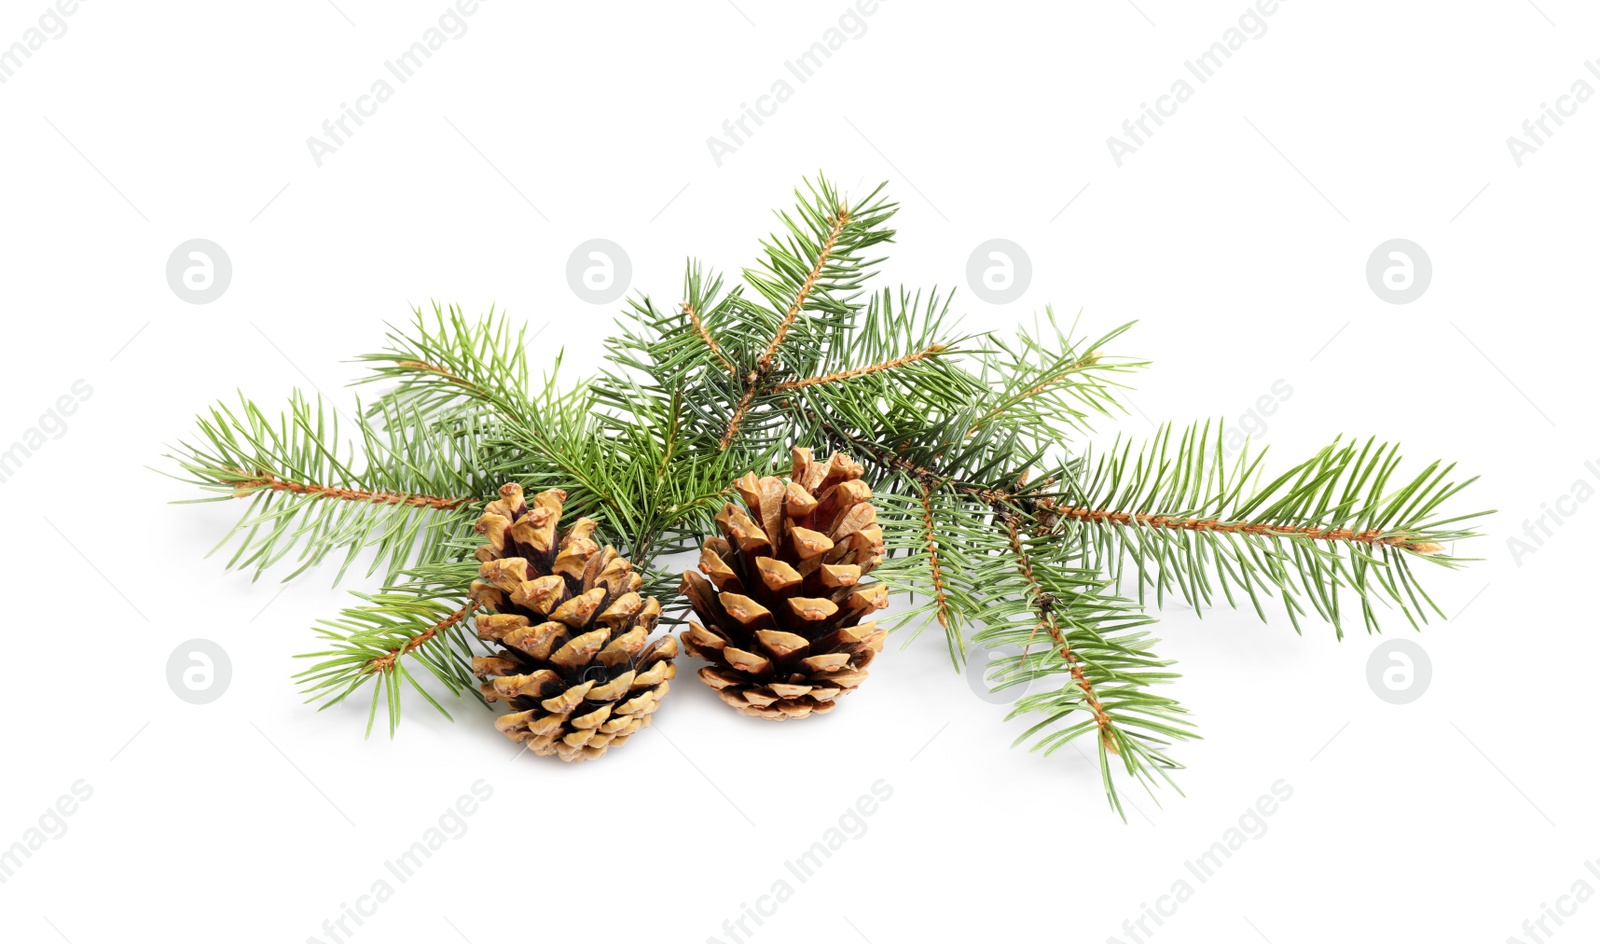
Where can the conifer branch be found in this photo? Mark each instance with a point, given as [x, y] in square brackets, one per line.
[932, 350]
[1047, 384]
[801, 352]
[438, 365]
[839, 220]
[1039, 389]
[705, 335]
[445, 374]
[837, 223]
[250, 482]
[936, 580]
[1043, 605]
[421, 620]
[1372, 536]
[1187, 519]
[396, 487]
[737, 418]
[386, 662]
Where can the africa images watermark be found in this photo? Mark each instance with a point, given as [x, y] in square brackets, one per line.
[1137, 131]
[1552, 515]
[1536, 132]
[851, 824]
[336, 132]
[52, 24]
[51, 824]
[1538, 930]
[851, 24]
[1251, 426]
[52, 424]
[450, 824]
[1251, 824]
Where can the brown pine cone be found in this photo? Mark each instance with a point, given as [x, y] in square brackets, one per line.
[576, 666]
[781, 607]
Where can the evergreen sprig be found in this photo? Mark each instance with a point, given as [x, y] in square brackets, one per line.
[1184, 517]
[421, 620]
[1004, 527]
[450, 362]
[394, 488]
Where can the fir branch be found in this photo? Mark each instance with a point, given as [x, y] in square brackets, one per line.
[386, 662]
[941, 545]
[440, 363]
[1097, 676]
[1187, 519]
[991, 511]
[1044, 605]
[1372, 536]
[836, 225]
[397, 489]
[739, 412]
[931, 350]
[1048, 383]
[807, 277]
[705, 335]
[638, 471]
[420, 620]
[249, 482]
[941, 599]
[1099, 673]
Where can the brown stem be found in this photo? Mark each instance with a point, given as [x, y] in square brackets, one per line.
[444, 372]
[935, 570]
[1374, 536]
[903, 360]
[1049, 382]
[737, 418]
[1047, 622]
[764, 363]
[711, 342]
[385, 663]
[840, 220]
[268, 481]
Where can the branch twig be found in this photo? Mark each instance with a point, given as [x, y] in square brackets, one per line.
[1047, 622]
[752, 383]
[1374, 536]
[705, 335]
[901, 361]
[840, 220]
[265, 480]
[1088, 361]
[385, 663]
[935, 571]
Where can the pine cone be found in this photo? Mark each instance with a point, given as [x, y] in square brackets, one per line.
[781, 609]
[576, 667]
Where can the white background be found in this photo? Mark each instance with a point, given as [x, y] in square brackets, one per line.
[1237, 236]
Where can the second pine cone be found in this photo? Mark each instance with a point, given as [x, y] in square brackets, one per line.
[780, 615]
